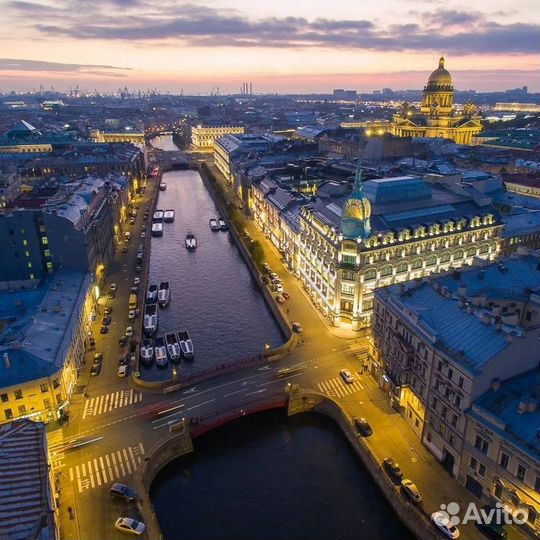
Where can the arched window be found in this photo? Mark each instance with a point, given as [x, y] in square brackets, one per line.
[484, 248]
[370, 274]
[402, 267]
[471, 252]
[386, 271]
[417, 263]
[445, 257]
[458, 254]
[431, 260]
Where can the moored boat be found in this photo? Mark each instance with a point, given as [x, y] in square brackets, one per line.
[186, 345]
[168, 216]
[150, 320]
[157, 229]
[162, 186]
[160, 351]
[147, 352]
[158, 216]
[222, 224]
[214, 225]
[173, 347]
[151, 295]
[191, 242]
[164, 294]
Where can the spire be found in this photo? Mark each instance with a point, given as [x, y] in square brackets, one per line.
[358, 176]
[441, 62]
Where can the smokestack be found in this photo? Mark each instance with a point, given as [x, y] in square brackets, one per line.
[250, 89]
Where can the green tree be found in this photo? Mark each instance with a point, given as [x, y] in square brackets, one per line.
[257, 253]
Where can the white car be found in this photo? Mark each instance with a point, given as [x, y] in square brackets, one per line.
[131, 314]
[410, 489]
[136, 280]
[143, 235]
[113, 287]
[443, 523]
[122, 371]
[129, 331]
[278, 287]
[130, 525]
[346, 376]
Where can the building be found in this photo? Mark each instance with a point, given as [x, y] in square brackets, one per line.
[347, 95]
[203, 137]
[517, 107]
[29, 506]
[437, 116]
[501, 453]
[125, 135]
[389, 230]
[42, 345]
[440, 343]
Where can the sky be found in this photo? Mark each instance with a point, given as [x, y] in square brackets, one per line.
[296, 46]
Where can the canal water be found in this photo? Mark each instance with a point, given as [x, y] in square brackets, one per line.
[213, 295]
[272, 477]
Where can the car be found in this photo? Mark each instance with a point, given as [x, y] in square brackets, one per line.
[138, 269]
[131, 314]
[280, 299]
[107, 311]
[136, 280]
[145, 217]
[265, 280]
[143, 234]
[132, 221]
[122, 341]
[143, 228]
[129, 331]
[346, 375]
[273, 276]
[134, 289]
[106, 320]
[285, 295]
[98, 358]
[124, 249]
[297, 327]
[130, 525]
[104, 330]
[123, 360]
[122, 371]
[443, 523]
[96, 368]
[278, 287]
[411, 491]
[277, 281]
[363, 427]
[493, 530]
[111, 295]
[392, 470]
[113, 287]
[266, 267]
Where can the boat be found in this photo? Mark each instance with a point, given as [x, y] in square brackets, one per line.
[168, 216]
[223, 224]
[163, 294]
[150, 319]
[186, 345]
[173, 347]
[191, 242]
[214, 225]
[151, 295]
[161, 352]
[162, 186]
[158, 216]
[147, 352]
[157, 229]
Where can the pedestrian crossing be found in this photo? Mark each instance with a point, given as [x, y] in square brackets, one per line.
[336, 387]
[55, 445]
[113, 400]
[107, 468]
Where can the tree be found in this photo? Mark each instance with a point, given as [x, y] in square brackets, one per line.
[257, 252]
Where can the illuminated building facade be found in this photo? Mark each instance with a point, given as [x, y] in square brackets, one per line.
[203, 137]
[437, 116]
[125, 136]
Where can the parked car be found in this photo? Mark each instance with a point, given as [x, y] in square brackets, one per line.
[122, 371]
[107, 311]
[98, 358]
[106, 320]
[443, 523]
[273, 276]
[285, 295]
[363, 427]
[411, 491]
[134, 289]
[392, 469]
[104, 330]
[123, 360]
[346, 375]
[143, 234]
[143, 228]
[278, 287]
[132, 221]
[111, 295]
[130, 525]
[265, 280]
[129, 331]
[131, 314]
[138, 269]
[493, 530]
[297, 327]
[280, 299]
[123, 492]
[122, 341]
[124, 249]
[266, 267]
[113, 287]
[95, 370]
[136, 280]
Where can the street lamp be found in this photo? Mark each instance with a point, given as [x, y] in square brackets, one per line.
[266, 348]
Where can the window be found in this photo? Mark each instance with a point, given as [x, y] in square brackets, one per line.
[472, 463]
[22, 410]
[457, 401]
[370, 274]
[481, 444]
[417, 263]
[482, 470]
[458, 254]
[386, 271]
[450, 373]
[460, 382]
[431, 260]
[18, 394]
[9, 414]
[349, 259]
[445, 257]
[521, 470]
[47, 403]
[503, 460]
[44, 240]
[401, 267]
[537, 484]
[4, 398]
[347, 274]
[55, 383]
[471, 252]
[44, 387]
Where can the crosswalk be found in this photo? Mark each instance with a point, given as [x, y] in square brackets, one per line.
[107, 468]
[113, 400]
[55, 444]
[336, 387]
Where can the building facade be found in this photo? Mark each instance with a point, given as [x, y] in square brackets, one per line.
[203, 137]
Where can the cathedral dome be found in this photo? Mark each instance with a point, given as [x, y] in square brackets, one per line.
[359, 209]
[356, 211]
[440, 77]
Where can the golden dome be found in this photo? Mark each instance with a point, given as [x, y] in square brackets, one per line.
[440, 77]
[359, 209]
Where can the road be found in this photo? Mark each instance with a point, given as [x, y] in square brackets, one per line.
[111, 431]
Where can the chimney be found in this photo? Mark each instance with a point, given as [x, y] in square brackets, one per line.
[462, 290]
[495, 384]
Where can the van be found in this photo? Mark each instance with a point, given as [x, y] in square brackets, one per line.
[132, 301]
[127, 236]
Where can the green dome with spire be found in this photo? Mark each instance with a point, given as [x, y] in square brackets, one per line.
[356, 211]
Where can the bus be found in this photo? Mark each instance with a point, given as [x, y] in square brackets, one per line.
[132, 301]
[286, 372]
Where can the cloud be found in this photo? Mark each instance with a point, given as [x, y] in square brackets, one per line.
[12, 64]
[195, 25]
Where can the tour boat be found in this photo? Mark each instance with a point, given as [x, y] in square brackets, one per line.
[158, 216]
[186, 345]
[161, 352]
[162, 186]
[150, 320]
[152, 294]
[223, 224]
[168, 216]
[191, 242]
[163, 294]
[173, 347]
[147, 352]
[157, 229]
[214, 225]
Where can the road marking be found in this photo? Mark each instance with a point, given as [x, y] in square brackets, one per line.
[233, 393]
[336, 387]
[200, 404]
[103, 469]
[257, 392]
[108, 402]
[85, 408]
[171, 409]
[113, 458]
[167, 416]
[71, 474]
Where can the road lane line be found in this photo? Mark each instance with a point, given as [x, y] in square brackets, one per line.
[200, 404]
[280, 380]
[131, 396]
[78, 472]
[116, 399]
[83, 470]
[165, 417]
[98, 477]
[233, 393]
[133, 460]
[85, 409]
[142, 448]
[103, 469]
[98, 405]
[107, 404]
[79, 485]
[171, 409]
[126, 462]
[109, 468]
[116, 470]
[257, 392]
[121, 463]
[71, 474]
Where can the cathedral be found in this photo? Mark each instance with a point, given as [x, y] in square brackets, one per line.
[437, 117]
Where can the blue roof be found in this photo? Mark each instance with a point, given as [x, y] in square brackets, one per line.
[520, 224]
[503, 404]
[398, 189]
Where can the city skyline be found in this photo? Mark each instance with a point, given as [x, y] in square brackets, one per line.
[195, 47]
